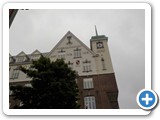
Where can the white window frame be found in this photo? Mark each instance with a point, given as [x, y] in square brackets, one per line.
[77, 53]
[89, 102]
[15, 74]
[35, 57]
[87, 68]
[88, 83]
[61, 55]
[20, 59]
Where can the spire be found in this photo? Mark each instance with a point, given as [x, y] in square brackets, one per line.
[96, 31]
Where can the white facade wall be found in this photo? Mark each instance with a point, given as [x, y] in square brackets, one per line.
[65, 48]
[102, 53]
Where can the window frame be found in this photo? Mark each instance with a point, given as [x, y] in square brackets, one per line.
[77, 53]
[15, 73]
[90, 102]
[88, 83]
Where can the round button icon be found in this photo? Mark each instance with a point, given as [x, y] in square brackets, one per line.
[147, 99]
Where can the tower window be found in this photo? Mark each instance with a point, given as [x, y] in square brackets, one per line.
[89, 102]
[103, 64]
[77, 53]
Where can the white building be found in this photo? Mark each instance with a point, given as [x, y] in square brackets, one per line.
[96, 81]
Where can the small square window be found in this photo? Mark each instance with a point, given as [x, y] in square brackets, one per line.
[88, 83]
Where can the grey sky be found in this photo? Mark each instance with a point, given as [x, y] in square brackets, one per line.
[42, 29]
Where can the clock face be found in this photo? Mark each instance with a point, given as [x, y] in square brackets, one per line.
[99, 45]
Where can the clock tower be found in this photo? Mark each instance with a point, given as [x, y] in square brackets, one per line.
[108, 89]
[99, 44]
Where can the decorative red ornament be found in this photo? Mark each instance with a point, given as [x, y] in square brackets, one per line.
[77, 62]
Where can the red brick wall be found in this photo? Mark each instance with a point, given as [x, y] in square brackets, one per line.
[104, 85]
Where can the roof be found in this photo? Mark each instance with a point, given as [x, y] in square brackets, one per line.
[78, 40]
[28, 55]
[99, 37]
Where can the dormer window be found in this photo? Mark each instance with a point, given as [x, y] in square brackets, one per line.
[20, 59]
[35, 57]
[15, 73]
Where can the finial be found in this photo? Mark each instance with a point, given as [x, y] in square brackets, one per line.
[96, 30]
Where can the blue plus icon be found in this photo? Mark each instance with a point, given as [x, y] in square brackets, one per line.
[147, 99]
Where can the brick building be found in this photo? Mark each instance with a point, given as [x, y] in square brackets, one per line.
[96, 81]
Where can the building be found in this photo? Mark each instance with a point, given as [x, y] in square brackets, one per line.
[96, 81]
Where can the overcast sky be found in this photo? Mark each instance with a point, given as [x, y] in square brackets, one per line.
[42, 29]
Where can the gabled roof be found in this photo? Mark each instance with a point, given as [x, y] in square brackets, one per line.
[21, 54]
[71, 34]
[35, 52]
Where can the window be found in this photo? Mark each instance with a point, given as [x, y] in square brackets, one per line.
[103, 64]
[35, 57]
[61, 54]
[15, 74]
[87, 66]
[20, 59]
[77, 53]
[70, 65]
[89, 102]
[112, 96]
[87, 83]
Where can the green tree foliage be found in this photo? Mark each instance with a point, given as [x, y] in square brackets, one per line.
[53, 86]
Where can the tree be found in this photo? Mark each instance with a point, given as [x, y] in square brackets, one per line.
[53, 86]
